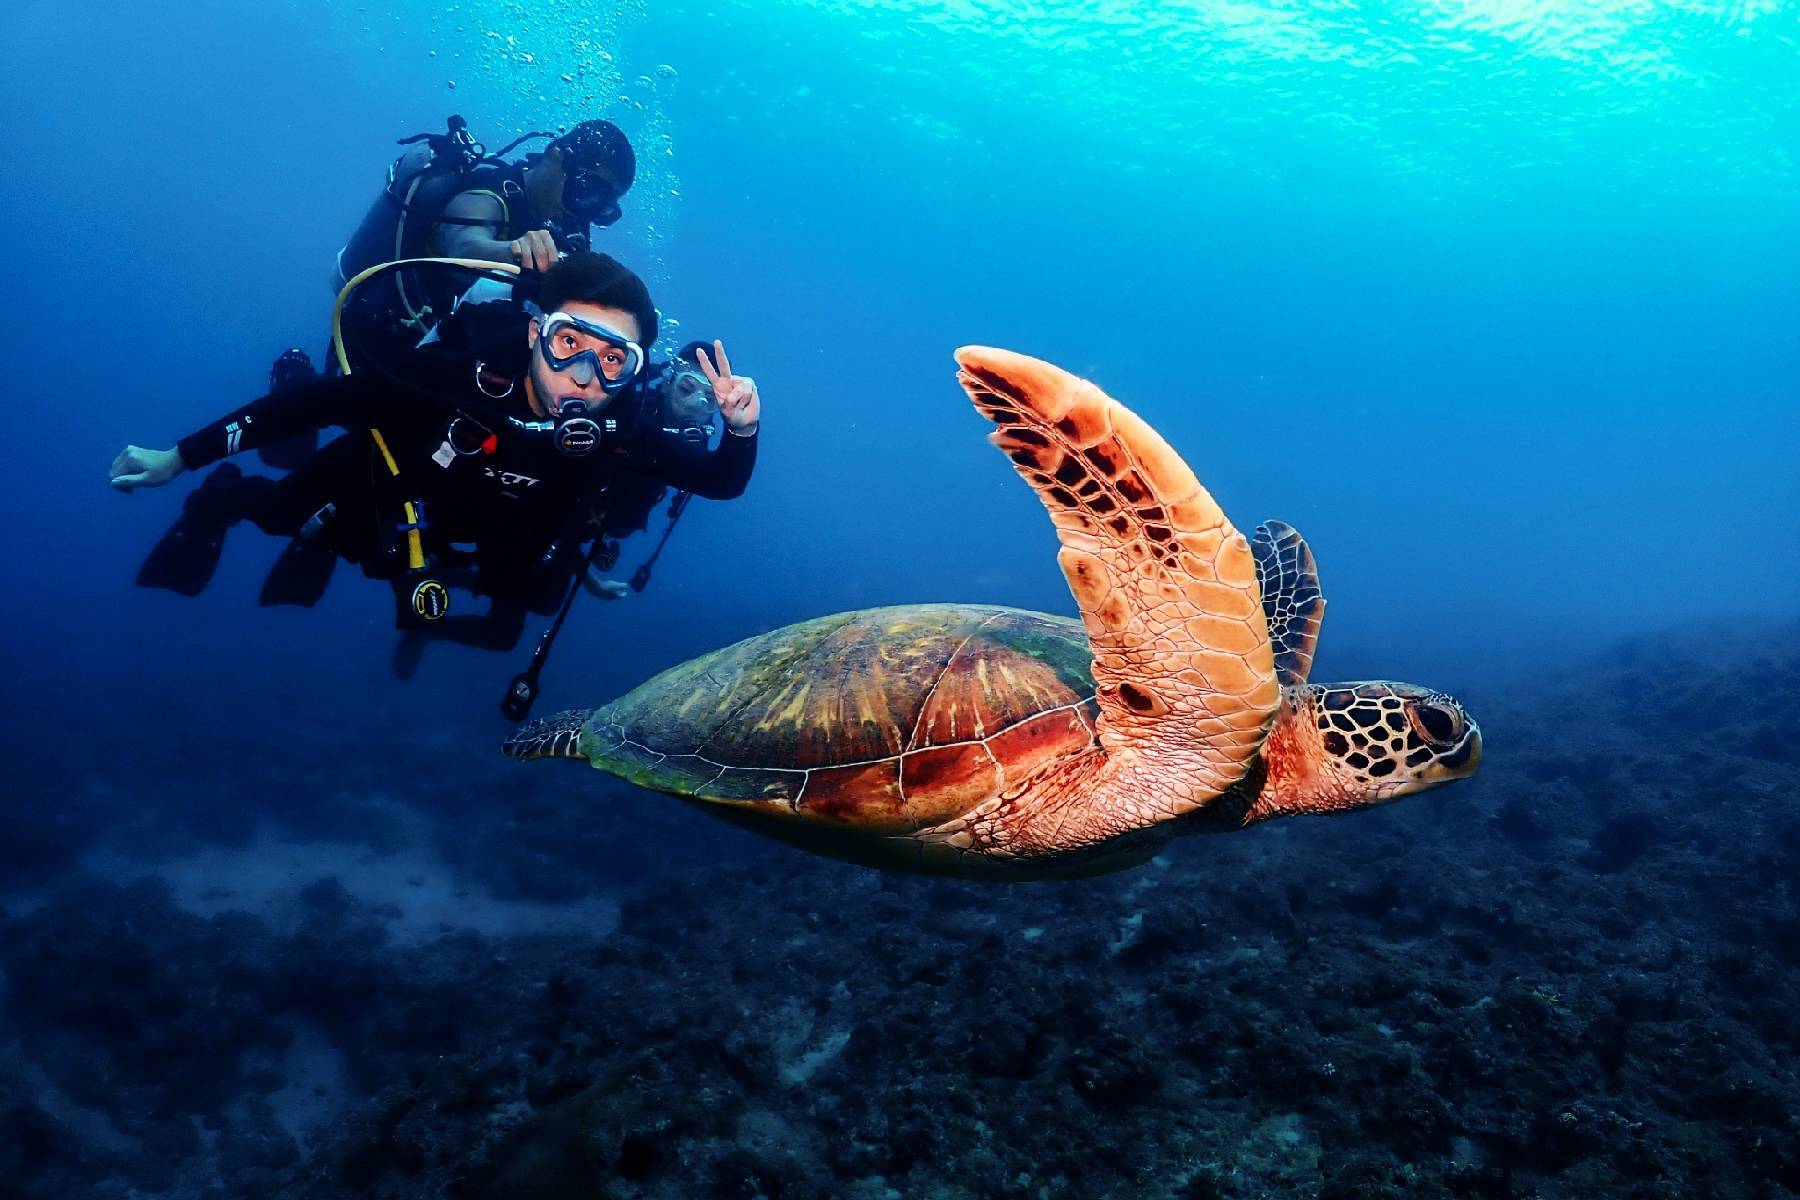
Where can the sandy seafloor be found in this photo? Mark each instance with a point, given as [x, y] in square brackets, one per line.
[1574, 976]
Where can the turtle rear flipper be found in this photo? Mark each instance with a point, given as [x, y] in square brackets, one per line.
[553, 737]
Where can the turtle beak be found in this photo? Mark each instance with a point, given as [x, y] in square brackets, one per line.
[1466, 757]
[1459, 763]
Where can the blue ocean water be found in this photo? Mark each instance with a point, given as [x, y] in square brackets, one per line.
[1495, 301]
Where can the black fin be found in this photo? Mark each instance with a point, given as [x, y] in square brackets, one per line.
[553, 737]
[300, 575]
[185, 559]
[407, 653]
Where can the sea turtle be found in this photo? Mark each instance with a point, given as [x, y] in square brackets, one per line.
[981, 741]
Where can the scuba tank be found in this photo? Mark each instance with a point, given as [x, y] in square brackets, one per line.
[432, 171]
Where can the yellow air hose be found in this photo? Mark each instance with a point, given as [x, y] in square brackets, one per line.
[415, 547]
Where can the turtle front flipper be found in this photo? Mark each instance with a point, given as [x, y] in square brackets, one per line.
[1293, 605]
[1166, 586]
[553, 737]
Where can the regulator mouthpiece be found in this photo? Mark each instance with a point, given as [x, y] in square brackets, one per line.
[577, 434]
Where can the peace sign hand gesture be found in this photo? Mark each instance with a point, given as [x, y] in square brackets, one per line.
[736, 394]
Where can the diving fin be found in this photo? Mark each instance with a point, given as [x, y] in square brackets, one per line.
[300, 575]
[407, 653]
[303, 571]
[185, 559]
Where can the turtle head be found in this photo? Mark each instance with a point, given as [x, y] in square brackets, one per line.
[1380, 741]
[1341, 746]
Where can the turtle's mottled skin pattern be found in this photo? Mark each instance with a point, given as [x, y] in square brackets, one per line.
[1294, 606]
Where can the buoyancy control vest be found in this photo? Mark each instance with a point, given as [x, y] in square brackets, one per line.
[434, 169]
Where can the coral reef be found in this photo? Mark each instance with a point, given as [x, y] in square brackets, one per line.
[1572, 976]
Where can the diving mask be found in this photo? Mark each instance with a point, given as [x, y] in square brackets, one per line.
[591, 197]
[688, 408]
[586, 351]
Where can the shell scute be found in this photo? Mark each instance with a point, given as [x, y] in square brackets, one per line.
[1013, 667]
[1033, 744]
[866, 795]
[887, 720]
[944, 782]
[753, 784]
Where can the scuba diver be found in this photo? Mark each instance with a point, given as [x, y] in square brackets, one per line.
[446, 196]
[688, 400]
[481, 461]
[688, 408]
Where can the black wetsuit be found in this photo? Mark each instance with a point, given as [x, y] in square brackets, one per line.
[500, 504]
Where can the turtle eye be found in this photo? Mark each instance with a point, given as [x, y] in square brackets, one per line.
[1438, 725]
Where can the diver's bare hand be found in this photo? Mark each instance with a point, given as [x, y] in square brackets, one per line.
[136, 467]
[536, 251]
[604, 588]
[738, 402]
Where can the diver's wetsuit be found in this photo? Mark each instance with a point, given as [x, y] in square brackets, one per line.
[390, 313]
[499, 499]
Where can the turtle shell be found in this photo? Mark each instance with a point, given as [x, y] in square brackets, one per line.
[881, 721]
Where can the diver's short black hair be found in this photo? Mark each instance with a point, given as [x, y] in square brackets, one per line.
[598, 279]
[690, 353]
[600, 145]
